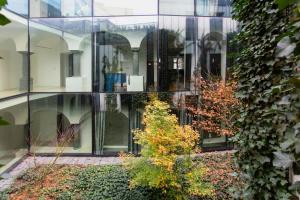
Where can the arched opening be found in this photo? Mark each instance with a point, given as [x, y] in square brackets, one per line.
[50, 61]
[113, 60]
[176, 53]
[212, 55]
[148, 60]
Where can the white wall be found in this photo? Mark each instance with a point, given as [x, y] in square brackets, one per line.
[10, 66]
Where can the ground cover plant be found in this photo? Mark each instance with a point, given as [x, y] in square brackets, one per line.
[112, 182]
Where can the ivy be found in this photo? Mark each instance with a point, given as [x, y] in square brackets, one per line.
[265, 69]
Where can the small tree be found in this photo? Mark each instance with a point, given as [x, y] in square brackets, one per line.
[214, 111]
[165, 163]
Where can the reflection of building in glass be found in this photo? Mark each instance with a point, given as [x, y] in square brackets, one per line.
[87, 67]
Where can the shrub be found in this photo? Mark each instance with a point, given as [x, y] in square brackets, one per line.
[222, 174]
[214, 111]
[105, 182]
[165, 163]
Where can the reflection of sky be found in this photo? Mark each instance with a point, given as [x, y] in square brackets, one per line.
[129, 7]
[18, 6]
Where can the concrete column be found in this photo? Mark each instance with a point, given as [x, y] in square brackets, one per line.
[135, 60]
[25, 72]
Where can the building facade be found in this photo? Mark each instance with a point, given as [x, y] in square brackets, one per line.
[81, 69]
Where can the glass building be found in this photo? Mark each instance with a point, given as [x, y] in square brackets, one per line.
[81, 69]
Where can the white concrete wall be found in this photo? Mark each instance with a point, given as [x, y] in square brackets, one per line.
[10, 66]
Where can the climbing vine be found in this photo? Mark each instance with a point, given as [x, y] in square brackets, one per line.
[266, 68]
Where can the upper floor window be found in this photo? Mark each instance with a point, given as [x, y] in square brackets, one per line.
[125, 7]
[60, 8]
[219, 8]
[176, 7]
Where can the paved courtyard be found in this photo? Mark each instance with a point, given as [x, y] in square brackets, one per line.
[29, 162]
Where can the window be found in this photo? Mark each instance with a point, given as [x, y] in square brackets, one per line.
[60, 8]
[125, 54]
[61, 120]
[14, 134]
[125, 7]
[176, 7]
[213, 45]
[220, 8]
[14, 58]
[176, 52]
[61, 49]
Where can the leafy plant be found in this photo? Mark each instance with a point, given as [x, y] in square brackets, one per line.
[214, 111]
[165, 163]
[3, 20]
[105, 182]
[3, 122]
[222, 174]
[264, 67]
[288, 48]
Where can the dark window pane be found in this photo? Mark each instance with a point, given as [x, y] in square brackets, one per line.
[213, 52]
[176, 51]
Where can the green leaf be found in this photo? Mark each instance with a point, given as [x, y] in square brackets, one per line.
[285, 47]
[2, 3]
[283, 160]
[4, 20]
[282, 4]
[3, 122]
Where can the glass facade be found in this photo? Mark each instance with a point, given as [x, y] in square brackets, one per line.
[85, 68]
[61, 120]
[13, 134]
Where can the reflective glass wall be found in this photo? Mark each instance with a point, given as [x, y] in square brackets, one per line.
[87, 66]
[61, 122]
[13, 131]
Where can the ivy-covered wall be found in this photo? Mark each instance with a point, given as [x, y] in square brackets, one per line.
[266, 69]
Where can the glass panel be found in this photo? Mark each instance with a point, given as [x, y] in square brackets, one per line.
[13, 135]
[61, 120]
[213, 8]
[13, 56]
[125, 7]
[59, 8]
[213, 45]
[177, 57]
[61, 54]
[176, 7]
[126, 54]
[18, 6]
[112, 123]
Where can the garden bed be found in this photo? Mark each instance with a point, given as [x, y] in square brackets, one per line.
[66, 182]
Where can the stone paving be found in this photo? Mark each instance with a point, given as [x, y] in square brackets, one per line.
[29, 162]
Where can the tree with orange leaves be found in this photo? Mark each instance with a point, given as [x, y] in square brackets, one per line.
[214, 110]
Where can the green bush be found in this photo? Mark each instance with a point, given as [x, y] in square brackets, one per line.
[4, 195]
[106, 182]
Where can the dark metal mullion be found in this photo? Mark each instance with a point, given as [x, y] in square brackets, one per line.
[93, 95]
[28, 83]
